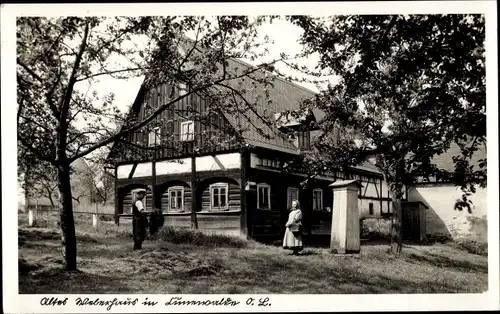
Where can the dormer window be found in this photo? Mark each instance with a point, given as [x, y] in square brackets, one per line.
[301, 140]
[290, 119]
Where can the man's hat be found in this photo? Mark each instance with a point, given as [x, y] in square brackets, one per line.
[137, 191]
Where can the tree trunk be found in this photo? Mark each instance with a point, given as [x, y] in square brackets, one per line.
[51, 201]
[27, 189]
[49, 195]
[397, 221]
[194, 195]
[68, 235]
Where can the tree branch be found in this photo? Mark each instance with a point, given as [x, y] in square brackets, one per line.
[30, 71]
[49, 94]
[110, 72]
[36, 123]
[72, 80]
[73, 139]
[157, 112]
[34, 151]
[192, 48]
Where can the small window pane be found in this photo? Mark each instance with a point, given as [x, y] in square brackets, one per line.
[187, 131]
[215, 197]
[263, 194]
[172, 199]
[223, 199]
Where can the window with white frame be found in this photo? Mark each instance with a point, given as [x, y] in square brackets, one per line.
[317, 199]
[263, 196]
[291, 195]
[296, 141]
[154, 137]
[187, 131]
[176, 199]
[219, 194]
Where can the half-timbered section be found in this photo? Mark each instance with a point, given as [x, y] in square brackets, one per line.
[240, 188]
[316, 197]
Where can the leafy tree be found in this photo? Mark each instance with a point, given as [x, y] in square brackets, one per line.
[409, 87]
[58, 60]
[39, 179]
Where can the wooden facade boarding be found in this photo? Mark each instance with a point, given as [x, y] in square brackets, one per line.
[238, 191]
[252, 200]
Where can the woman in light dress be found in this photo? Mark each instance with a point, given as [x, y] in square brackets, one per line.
[293, 239]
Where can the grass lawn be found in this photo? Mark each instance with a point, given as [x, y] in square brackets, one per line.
[107, 264]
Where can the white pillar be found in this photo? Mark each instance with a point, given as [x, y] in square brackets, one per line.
[31, 217]
[32, 214]
[345, 237]
[95, 217]
[95, 220]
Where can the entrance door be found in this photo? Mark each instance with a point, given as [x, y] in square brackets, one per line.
[292, 193]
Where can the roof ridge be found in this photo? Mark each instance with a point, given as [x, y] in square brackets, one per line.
[253, 66]
[275, 76]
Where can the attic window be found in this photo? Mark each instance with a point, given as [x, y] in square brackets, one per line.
[187, 131]
[290, 119]
[301, 140]
[182, 89]
[154, 137]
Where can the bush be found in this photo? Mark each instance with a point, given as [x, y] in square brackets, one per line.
[103, 217]
[438, 238]
[183, 236]
[41, 224]
[472, 246]
[478, 228]
[375, 228]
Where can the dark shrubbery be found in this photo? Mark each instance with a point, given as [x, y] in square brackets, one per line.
[375, 228]
[103, 217]
[182, 236]
[472, 246]
[435, 238]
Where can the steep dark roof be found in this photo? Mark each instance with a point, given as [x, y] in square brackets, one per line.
[368, 166]
[285, 95]
[445, 160]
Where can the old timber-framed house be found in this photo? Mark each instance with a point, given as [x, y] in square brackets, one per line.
[240, 189]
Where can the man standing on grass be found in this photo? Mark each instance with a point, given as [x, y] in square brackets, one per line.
[140, 221]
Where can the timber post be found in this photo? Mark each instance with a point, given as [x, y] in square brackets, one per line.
[194, 194]
[153, 176]
[95, 217]
[245, 217]
[345, 233]
[32, 214]
[117, 198]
